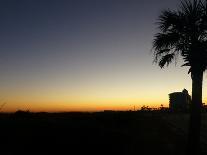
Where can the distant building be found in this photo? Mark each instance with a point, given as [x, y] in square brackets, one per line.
[179, 101]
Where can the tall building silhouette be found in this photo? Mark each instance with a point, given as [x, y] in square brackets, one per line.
[179, 101]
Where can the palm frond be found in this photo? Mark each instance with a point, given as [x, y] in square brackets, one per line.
[166, 59]
[186, 64]
[165, 40]
[191, 8]
[167, 19]
[182, 32]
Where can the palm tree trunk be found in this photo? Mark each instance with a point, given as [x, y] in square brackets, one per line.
[193, 147]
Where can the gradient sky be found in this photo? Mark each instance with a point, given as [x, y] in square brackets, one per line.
[72, 55]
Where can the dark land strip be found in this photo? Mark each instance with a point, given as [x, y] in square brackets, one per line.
[123, 133]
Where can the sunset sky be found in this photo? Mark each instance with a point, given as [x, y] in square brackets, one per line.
[84, 55]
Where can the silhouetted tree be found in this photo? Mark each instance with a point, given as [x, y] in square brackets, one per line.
[183, 32]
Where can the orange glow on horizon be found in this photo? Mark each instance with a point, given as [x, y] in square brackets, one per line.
[86, 104]
[115, 105]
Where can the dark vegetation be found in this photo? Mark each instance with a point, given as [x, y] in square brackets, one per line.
[123, 133]
[182, 32]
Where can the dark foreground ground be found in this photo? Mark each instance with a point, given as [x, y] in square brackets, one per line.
[118, 133]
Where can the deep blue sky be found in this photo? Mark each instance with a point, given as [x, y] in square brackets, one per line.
[83, 54]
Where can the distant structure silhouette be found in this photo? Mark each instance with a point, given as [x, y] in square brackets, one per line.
[179, 101]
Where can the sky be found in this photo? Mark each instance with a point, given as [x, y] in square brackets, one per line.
[78, 55]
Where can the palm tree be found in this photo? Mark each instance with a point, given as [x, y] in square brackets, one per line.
[183, 32]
